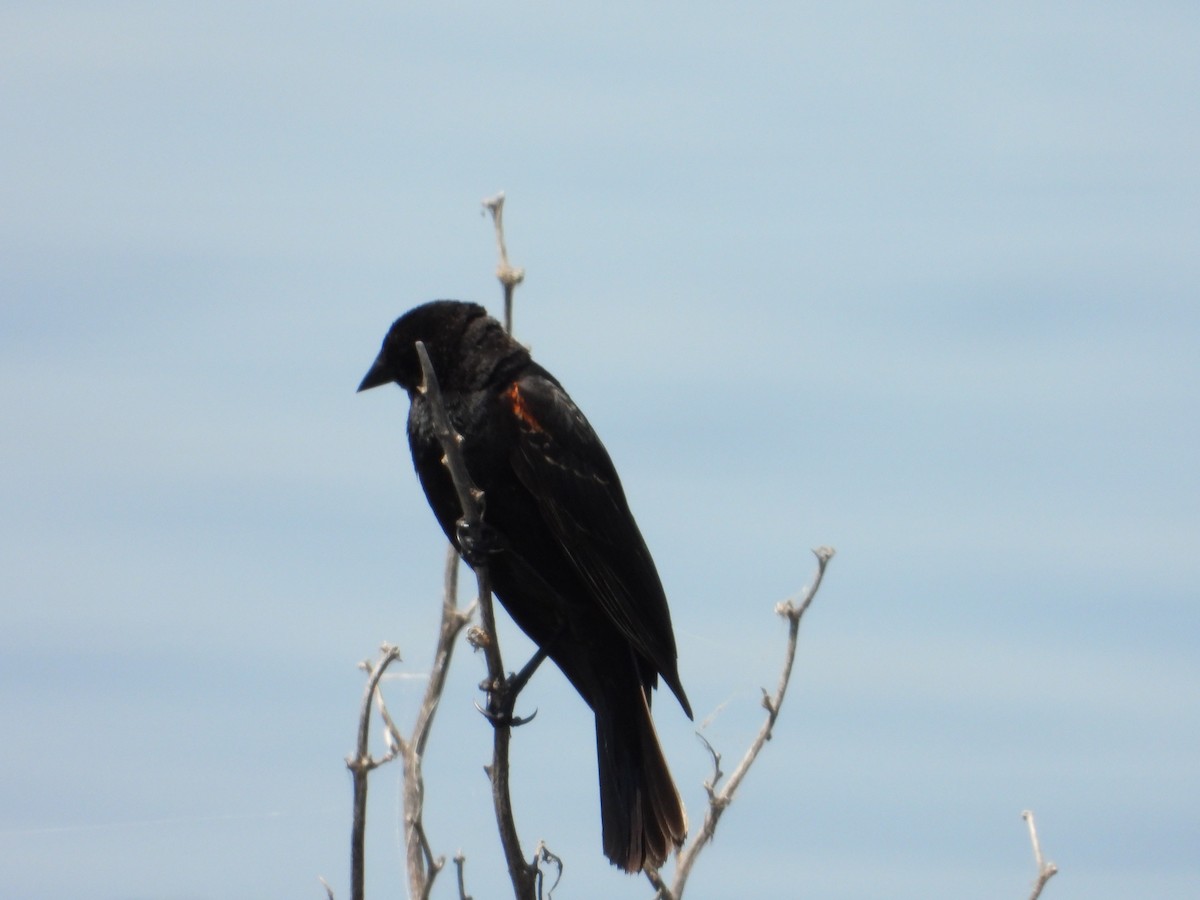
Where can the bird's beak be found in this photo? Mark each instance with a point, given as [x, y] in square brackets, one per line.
[378, 374]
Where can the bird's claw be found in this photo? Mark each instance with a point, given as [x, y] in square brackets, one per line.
[502, 694]
[505, 719]
[476, 541]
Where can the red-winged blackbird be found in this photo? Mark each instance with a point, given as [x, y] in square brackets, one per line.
[565, 556]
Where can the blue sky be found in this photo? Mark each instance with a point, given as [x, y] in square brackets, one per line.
[918, 281]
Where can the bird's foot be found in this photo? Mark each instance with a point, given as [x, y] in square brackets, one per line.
[477, 541]
[502, 697]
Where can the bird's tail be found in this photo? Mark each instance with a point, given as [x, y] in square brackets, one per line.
[641, 813]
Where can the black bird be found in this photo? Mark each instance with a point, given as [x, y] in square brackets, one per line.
[565, 555]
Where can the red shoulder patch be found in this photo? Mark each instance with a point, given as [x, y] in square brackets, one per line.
[520, 409]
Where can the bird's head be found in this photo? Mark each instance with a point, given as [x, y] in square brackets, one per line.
[444, 327]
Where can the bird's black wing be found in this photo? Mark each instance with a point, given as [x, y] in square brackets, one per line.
[560, 460]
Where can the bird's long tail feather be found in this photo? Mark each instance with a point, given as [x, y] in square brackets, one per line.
[641, 813]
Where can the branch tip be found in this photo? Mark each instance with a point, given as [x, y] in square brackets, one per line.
[1046, 869]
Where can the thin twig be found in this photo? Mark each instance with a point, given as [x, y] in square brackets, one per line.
[360, 765]
[453, 622]
[720, 798]
[543, 855]
[416, 834]
[423, 866]
[661, 891]
[508, 275]
[459, 863]
[471, 502]
[710, 786]
[397, 743]
[1046, 869]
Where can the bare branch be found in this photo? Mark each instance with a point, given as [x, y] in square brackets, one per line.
[459, 862]
[453, 622]
[360, 765]
[710, 786]
[328, 888]
[423, 867]
[397, 743]
[1046, 869]
[661, 891]
[720, 798]
[509, 276]
[415, 833]
[471, 501]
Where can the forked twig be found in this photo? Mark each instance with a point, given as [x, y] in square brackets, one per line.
[719, 798]
[422, 865]
[360, 765]
[508, 275]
